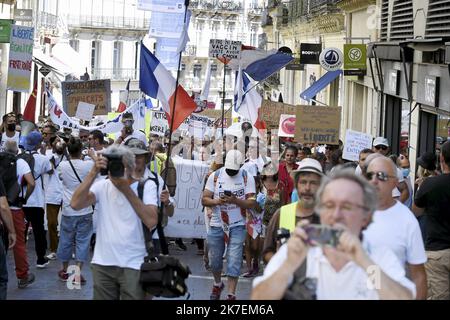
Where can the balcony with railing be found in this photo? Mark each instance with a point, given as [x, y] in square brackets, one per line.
[47, 21]
[190, 51]
[110, 22]
[216, 5]
[115, 74]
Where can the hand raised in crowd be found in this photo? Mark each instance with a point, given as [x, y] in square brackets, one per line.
[165, 197]
[100, 163]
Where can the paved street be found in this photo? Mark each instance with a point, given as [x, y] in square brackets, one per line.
[47, 285]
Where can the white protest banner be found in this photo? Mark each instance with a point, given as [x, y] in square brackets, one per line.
[188, 220]
[20, 58]
[287, 126]
[169, 6]
[355, 142]
[229, 49]
[159, 124]
[85, 111]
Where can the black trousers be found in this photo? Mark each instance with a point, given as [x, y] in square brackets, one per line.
[3, 272]
[36, 217]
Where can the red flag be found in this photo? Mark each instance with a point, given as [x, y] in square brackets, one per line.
[124, 98]
[30, 109]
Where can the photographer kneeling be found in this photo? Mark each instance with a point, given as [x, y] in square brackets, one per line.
[120, 247]
[312, 265]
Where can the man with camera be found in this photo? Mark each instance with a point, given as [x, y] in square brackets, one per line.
[229, 191]
[120, 247]
[76, 225]
[128, 132]
[24, 178]
[329, 261]
[307, 181]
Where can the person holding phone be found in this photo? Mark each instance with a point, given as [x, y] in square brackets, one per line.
[345, 269]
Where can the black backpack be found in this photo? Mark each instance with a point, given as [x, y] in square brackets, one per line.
[8, 174]
[29, 158]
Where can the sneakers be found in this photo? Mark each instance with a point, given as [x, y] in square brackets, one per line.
[231, 297]
[249, 274]
[216, 291]
[180, 244]
[63, 275]
[23, 283]
[79, 280]
[41, 264]
[51, 256]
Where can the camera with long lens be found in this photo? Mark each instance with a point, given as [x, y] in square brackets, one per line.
[115, 166]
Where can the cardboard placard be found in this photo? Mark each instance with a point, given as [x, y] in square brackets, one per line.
[317, 124]
[97, 92]
[355, 141]
[159, 124]
[216, 115]
[271, 111]
[20, 58]
[85, 111]
[286, 127]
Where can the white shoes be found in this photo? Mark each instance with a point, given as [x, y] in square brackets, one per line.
[51, 256]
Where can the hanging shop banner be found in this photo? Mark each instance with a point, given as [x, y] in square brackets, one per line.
[310, 52]
[355, 59]
[97, 92]
[188, 220]
[168, 6]
[286, 127]
[355, 142]
[229, 49]
[20, 58]
[271, 111]
[159, 124]
[331, 59]
[5, 30]
[317, 124]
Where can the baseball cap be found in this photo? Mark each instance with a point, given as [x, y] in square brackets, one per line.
[427, 161]
[234, 160]
[380, 141]
[309, 165]
[137, 146]
[33, 139]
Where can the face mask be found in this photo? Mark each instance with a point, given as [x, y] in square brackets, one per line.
[11, 127]
[231, 172]
[405, 172]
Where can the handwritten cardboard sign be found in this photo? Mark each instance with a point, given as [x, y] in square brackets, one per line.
[317, 124]
[355, 142]
[271, 112]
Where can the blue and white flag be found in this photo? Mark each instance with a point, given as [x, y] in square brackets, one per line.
[247, 100]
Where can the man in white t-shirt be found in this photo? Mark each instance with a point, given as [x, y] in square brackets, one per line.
[120, 246]
[128, 132]
[24, 177]
[76, 225]
[34, 208]
[339, 267]
[10, 131]
[394, 225]
[229, 191]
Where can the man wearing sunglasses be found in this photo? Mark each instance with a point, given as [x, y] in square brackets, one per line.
[393, 224]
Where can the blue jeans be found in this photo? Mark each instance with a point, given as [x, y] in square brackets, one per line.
[75, 230]
[216, 248]
[3, 271]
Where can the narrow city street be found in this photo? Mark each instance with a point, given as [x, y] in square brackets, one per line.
[47, 285]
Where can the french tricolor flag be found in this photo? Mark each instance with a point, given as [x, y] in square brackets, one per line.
[156, 82]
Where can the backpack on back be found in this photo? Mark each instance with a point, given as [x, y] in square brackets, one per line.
[8, 174]
[29, 158]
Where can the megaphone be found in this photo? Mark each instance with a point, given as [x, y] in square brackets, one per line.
[27, 127]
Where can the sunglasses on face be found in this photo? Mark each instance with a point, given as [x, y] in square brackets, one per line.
[380, 175]
[384, 148]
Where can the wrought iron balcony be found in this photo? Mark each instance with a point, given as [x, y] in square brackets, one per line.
[115, 74]
[190, 51]
[108, 22]
[47, 20]
[217, 5]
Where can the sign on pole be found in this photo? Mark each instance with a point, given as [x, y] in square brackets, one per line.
[287, 126]
[96, 92]
[23, 15]
[85, 111]
[317, 124]
[5, 30]
[20, 58]
[355, 142]
[355, 59]
[331, 59]
[45, 71]
[229, 49]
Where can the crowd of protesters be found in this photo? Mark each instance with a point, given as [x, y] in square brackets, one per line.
[254, 197]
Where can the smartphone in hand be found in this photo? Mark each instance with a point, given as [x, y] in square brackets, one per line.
[227, 193]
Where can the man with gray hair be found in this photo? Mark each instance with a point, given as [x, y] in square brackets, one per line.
[394, 225]
[120, 245]
[339, 266]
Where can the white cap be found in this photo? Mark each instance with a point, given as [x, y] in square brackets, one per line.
[380, 141]
[309, 165]
[234, 160]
